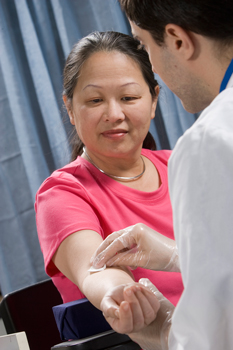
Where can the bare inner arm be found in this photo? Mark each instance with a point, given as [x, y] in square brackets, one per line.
[72, 258]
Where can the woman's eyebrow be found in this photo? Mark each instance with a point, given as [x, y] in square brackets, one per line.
[130, 84]
[92, 85]
[100, 87]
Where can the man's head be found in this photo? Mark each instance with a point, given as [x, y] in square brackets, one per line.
[210, 18]
[190, 44]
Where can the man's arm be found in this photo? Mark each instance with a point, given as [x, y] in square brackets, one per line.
[201, 187]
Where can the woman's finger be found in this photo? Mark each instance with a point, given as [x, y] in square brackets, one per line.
[130, 294]
[149, 305]
[144, 305]
[109, 307]
[124, 322]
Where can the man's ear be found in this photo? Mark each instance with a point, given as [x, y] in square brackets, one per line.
[155, 101]
[69, 109]
[179, 40]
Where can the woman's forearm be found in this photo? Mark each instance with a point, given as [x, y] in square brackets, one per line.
[97, 284]
[72, 258]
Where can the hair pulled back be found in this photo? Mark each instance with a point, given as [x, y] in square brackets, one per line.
[210, 18]
[105, 41]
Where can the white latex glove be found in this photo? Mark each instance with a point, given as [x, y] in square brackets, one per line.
[135, 246]
[161, 324]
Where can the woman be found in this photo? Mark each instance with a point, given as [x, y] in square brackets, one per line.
[110, 95]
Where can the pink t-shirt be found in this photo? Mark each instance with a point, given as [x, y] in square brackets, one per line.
[79, 197]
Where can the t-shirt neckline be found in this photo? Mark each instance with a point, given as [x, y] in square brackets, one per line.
[122, 190]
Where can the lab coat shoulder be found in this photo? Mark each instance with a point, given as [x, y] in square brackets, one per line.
[209, 142]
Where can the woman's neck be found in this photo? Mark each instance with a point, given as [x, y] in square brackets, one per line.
[139, 173]
[126, 166]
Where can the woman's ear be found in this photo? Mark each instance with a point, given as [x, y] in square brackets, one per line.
[69, 109]
[179, 40]
[155, 101]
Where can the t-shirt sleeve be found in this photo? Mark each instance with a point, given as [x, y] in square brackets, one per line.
[62, 208]
[164, 155]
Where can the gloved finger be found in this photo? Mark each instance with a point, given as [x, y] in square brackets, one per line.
[113, 244]
[103, 257]
[147, 283]
[114, 235]
[132, 257]
[108, 240]
[165, 313]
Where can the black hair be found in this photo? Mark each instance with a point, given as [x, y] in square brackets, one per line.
[105, 41]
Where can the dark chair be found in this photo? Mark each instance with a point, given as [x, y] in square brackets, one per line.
[82, 322]
[109, 340]
[30, 310]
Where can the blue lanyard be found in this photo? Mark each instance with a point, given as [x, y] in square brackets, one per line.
[227, 77]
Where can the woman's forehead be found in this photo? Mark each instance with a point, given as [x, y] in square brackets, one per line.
[109, 63]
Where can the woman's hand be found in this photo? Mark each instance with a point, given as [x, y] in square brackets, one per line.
[129, 308]
[141, 311]
[135, 246]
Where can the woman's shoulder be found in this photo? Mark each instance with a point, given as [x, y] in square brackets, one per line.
[159, 156]
[68, 175]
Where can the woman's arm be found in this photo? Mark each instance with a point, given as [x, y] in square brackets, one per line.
[72, 258]
[106, 289]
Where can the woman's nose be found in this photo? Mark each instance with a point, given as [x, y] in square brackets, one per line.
[114, 112]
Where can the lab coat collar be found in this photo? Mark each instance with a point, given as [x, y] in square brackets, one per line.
[230, 82]
[227, 79]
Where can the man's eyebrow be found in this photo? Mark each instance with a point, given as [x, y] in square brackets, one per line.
[92, 85]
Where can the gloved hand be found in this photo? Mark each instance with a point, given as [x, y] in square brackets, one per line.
[135, 246]
[163, 321]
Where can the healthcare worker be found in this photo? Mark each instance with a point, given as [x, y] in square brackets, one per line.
[190, 44]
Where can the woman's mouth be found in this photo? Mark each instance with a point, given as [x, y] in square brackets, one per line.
[114, 134]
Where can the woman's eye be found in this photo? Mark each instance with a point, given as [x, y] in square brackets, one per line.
[129, 98]
[96, 100]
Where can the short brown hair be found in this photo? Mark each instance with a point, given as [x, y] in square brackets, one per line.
[210, 18]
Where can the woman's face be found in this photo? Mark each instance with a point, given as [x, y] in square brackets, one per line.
[112, 106]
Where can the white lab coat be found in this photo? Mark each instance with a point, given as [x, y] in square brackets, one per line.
[201, 189]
